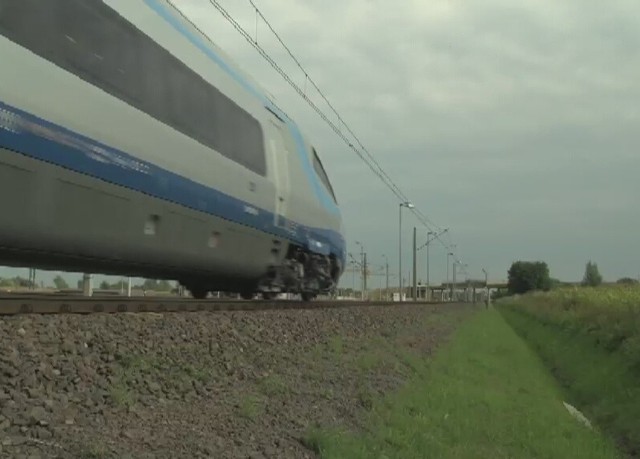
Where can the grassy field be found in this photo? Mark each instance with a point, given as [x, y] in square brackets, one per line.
[608, 315]
[590, 339]
[484, 394]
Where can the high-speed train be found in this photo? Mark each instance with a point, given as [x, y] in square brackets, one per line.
[130, 144]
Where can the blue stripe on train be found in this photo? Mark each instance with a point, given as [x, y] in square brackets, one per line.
[46, 141]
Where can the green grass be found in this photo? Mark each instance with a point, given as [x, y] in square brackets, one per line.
[603, 383]
[121, 395]
[251, 407]
[93, 451]
[483, 395]
[336, 345]
[610, 315]
[273, 385]
[133, 369]
[369, 360]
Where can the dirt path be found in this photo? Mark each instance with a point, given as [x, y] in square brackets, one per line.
[201, 384]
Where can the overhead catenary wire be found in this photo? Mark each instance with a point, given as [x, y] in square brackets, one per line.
[335, 112]
[313, 83]
[362, 152]
[302, 94]
[404, 198]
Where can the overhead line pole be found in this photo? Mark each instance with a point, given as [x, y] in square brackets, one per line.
[453, 285]
[427, 244]
[386, 265]
[408, 205]
[400, 256]
[448, 283]
[486, 286]
[364, 274]
[362, 270]
[415, 267]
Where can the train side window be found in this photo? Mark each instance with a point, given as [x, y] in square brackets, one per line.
[92, 41]
[324, 178]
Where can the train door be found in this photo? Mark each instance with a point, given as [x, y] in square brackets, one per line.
[280, 158]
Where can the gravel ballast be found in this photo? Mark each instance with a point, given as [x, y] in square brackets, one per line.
[241, 384]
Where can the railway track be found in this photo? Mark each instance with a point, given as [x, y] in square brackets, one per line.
[57, 304]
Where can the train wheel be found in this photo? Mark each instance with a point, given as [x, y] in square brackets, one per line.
[307, 296]
[199, 293]
[246, 295]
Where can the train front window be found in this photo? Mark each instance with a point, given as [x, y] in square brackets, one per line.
[324, 178]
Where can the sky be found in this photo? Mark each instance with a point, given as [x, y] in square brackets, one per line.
[513, 124]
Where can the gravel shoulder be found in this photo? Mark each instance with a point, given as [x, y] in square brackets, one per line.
[224, 385]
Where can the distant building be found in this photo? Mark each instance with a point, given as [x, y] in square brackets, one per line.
[396, 296]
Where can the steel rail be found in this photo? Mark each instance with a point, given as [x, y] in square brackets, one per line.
[40, 304]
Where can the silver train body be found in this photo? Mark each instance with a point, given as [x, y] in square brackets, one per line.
[130, 144]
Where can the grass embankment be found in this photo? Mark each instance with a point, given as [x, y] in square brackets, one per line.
[484, 394]
[590, 339]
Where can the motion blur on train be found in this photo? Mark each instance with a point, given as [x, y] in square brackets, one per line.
[130, 144]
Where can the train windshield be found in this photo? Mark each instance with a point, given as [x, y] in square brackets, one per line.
[317, 165]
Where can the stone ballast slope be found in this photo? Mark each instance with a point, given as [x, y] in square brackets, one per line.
[241, 384]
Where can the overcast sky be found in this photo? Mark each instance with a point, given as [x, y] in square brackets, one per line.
[515, 124]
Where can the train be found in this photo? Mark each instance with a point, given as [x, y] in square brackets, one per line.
[131, 144]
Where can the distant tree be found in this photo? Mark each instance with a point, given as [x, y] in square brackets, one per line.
[592, 276]
[554, 283]
[163, 286]
[497, 294]
[627, 281]
[120, 285]
[525, 276]
[60, 283]
[151, 284]
[104, 285]
[6, 283]
[21, 282]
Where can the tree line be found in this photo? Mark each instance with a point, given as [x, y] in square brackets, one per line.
[526, 276]
[60, 283]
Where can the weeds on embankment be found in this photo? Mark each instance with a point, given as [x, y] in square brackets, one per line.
[590, 340]
[608, 315]
[484, 394]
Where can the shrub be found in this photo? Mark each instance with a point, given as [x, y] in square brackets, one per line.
[525, 276]
[592, 276]
[627, 281]
[609, 315]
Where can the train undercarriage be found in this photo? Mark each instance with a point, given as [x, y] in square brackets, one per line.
[301, 272]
